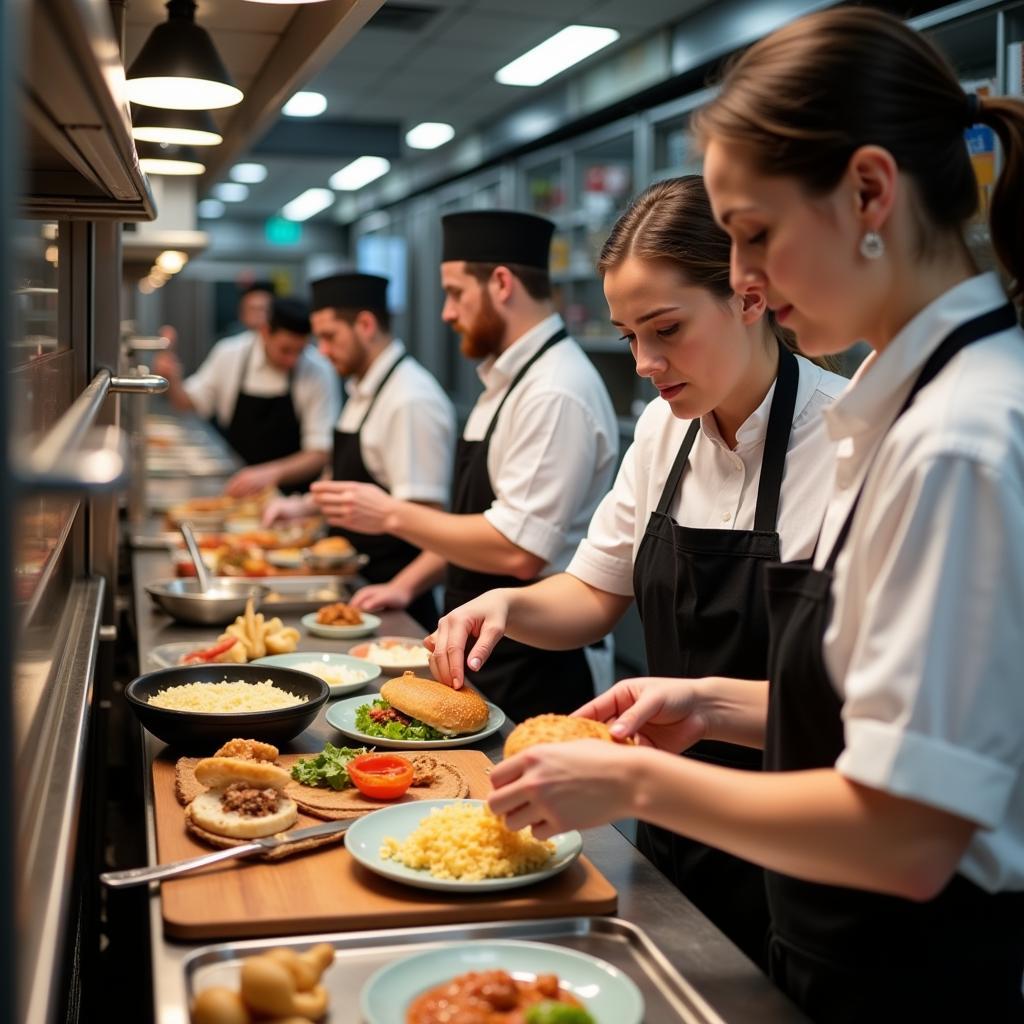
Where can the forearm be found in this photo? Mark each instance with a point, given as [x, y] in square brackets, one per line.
[178, 396]
[561, 613]
[293, 469]
[736, 709]
[426, 570]
[815, 825]
[468, 541]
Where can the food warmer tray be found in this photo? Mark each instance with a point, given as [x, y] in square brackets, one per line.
[668, 997]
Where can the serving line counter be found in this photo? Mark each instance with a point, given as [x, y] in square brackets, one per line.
[715, 969]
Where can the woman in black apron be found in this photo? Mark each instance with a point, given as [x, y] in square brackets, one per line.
[699, 590]
[896, 874]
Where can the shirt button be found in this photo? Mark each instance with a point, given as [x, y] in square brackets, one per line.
[726, 516]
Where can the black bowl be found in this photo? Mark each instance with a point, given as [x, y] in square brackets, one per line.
[205, 732]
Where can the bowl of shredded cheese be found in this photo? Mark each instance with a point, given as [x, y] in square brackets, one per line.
[199, 706]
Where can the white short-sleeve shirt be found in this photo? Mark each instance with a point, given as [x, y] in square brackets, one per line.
[719, 490]
[553, 451]
[408, 440]
[926, 642]
[316, 394]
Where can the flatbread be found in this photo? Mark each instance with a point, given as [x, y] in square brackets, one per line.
[279, 853]
[449, 783]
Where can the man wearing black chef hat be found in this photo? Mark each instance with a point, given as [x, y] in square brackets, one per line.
[537, 454]
[271, 395]
[396, 433]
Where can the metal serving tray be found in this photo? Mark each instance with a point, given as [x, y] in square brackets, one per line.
[305, 593]
[668, 997]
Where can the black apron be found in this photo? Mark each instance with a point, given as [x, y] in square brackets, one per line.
[388, 555]
[847, 955]
[523, 681]
[700, 594]
[264, 428]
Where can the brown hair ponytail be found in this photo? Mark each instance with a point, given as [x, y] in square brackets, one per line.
[671, 222]
[801, 101]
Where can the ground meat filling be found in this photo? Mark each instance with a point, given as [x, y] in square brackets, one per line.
[384, 715]
[244, 799]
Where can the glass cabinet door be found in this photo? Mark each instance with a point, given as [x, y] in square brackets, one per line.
[674, 152]
[544, 188]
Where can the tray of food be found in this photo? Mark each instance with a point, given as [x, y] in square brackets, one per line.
[576, 970]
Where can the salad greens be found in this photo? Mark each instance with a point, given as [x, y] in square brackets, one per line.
[557, 1013]
[329, 769]
[416, 730]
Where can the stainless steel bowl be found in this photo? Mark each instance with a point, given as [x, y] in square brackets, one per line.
[182, 599]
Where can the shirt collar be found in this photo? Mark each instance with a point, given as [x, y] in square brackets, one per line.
[496, 371]
[885, 378]
[367, 385]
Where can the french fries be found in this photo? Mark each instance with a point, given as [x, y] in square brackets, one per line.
[258, 636]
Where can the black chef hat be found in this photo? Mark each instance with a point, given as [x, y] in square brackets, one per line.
[497, 236]
[350, 291]
[289, 315]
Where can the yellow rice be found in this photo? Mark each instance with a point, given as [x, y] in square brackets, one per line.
[225, 698]
[467, 842]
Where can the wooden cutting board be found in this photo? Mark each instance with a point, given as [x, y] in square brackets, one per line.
[326, 890]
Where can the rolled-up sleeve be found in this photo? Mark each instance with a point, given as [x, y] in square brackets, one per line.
[204, 387]
[934, 699]
[545, 473]
[319, 403]
[605, 556]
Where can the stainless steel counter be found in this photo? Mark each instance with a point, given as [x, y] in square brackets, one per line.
[719, 972]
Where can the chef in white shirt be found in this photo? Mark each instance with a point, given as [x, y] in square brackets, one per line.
[729, 469]
[396, 432]
[271, 395]
[537, 454]
[890, 816]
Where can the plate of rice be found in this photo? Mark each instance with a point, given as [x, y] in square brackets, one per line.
[342, 673]
[456, 846]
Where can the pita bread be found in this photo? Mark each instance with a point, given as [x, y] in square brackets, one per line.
[289, 850]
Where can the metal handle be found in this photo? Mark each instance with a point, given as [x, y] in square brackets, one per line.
[202, 573]
[151, 384]
[141, 876]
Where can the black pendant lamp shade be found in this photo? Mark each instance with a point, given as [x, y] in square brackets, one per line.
[179, 67]
[178, 127]
[161, 158]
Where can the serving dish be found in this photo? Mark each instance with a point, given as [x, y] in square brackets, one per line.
[206, 731]
[363, 651]
[343, 717]
[297, 658]
[183, 600]
[369, 624]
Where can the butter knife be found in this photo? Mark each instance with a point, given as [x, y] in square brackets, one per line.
[140, 876]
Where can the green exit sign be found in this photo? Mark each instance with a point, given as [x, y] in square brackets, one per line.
[279, 231]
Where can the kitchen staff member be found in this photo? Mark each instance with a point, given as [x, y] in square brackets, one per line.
[537, 454]
[891, 817]
[272, 396]
[396, 432]
[729, 469]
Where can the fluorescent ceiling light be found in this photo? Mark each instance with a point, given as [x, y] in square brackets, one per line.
[429, 135]
[248, 174]
[305, 104]
[360, 172]
[210, 209]
[308, 204]
[231, 192]
[554, 55]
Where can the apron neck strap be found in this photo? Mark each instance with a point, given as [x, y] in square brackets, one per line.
[380, 388]
[675, 474]
[980, 327]
[560, 335]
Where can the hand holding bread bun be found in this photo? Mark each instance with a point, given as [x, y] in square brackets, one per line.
[555, 729]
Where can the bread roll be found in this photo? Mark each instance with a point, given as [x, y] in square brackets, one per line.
[219, 772]
[208, 813]
[449, 711]
[554, 729]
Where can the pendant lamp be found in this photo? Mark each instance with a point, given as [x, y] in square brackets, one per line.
[179, 67]
[163, 158]
[179, 127]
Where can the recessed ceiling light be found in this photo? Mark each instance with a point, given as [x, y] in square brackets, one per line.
[305, 104]
[171, 261]
[231, 192]
[210, 209]
[160, 158]
[360, 172]
[554, 55]
[183, 127]
[308, 204]
[178, 66]
[248, 174]
[429, 135]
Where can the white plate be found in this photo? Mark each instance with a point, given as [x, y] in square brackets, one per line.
[609, 995]
[365, 837]
[365, 628]
[297, 658]
[343, 717]
[362, 651]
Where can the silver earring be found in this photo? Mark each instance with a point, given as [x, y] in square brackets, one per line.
[872, 246]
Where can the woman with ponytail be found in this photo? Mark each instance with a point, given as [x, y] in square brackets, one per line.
[729, 471]
[890, 817]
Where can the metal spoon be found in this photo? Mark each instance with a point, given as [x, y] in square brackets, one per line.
[202, 573]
